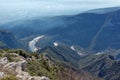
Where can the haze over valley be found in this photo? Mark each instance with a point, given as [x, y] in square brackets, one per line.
[11, 10]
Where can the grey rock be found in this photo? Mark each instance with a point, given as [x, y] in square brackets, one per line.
[3, 61]
[19, 69]
[44, 78]
[2, 74]
[39, 78]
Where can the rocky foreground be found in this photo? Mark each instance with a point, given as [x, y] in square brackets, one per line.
[16, 68]
[21, 65]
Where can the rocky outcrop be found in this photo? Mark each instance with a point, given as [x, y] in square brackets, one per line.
[2, 74]
[39, 78]
[3, 61]
[18, 69]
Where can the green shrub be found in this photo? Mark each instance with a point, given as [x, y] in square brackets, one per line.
[9, 78]
[22, 53]
[1, 55]
[9, 57]
[19, 52]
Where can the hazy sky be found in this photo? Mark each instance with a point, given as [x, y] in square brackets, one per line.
[17, 9]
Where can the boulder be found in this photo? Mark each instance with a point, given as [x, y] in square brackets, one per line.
[3, 61]
[17, 56]
[17, 66]
[39, 78]
[18, 69]
[24, 76]
[11, 65]
[2, 74]
[44, 78]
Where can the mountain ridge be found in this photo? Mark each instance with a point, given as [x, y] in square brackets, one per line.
[9, 40]
[88, 32]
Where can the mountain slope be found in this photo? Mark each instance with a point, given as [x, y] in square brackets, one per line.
[8, 40]
[103, 10]
[30, 66]
[61, 53]
[104, 66]
[91, 31]
[92, 34]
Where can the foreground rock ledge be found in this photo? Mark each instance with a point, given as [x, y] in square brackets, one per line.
[18, 69]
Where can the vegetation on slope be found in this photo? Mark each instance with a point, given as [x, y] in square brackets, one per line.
[41, 65]
[11, 77]
[103, 65]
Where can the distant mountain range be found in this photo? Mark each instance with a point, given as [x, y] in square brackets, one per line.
[103, 10]
[90, 30]
[87, 42]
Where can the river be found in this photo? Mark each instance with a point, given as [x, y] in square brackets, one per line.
[32, 43]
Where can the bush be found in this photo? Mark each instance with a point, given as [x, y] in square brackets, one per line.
[22, 53]
[9, 78]
[9, 57]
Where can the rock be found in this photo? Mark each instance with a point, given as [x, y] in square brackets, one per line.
[11, 65]
[24, 76]
[14, 54]
[39, 78]
[17, 66]
[17, 56]
[18, 69]
[44, 78]
[2, 74]
[35, 78]
[3, 61]
[21, 65]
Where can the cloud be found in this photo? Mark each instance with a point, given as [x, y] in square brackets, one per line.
[18, 9]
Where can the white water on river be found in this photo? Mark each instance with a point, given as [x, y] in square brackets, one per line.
[32, 43]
